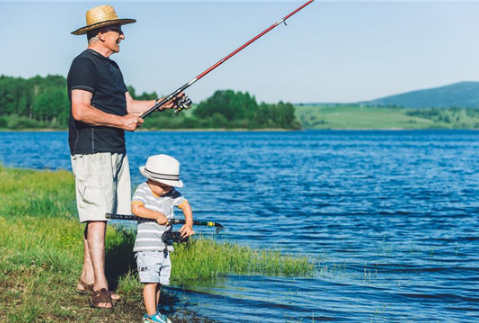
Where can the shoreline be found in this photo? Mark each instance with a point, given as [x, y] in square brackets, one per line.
[40, 203]
[258, 130]
[169, 130]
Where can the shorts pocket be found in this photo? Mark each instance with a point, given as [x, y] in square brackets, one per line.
[90, 192]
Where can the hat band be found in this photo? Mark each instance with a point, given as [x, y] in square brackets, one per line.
[163, 176]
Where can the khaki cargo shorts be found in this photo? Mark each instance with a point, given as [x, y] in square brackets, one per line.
[102, 185]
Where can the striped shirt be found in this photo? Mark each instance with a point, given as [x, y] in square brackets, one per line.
[149, 233]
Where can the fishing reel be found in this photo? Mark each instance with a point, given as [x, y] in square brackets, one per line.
[183, 103]
[168, 237]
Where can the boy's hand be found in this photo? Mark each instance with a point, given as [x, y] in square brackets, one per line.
[186, 231]
[162, 219]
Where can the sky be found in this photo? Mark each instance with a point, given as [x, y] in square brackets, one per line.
[331, 51]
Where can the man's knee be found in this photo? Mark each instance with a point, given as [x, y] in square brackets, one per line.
[95, 229]
[96, 224]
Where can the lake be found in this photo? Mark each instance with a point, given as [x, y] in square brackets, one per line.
[392, 217]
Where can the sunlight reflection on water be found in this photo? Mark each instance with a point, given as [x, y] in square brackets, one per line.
[391, 215]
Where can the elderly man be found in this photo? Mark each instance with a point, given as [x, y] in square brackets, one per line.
[101, 110]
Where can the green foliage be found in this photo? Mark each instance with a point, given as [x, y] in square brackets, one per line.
[206, 259]
[463, 94]
[143, 96]
[456, 118]
[225, 110]
[433, 113]
[229, 109]
[232, 106]
[40, 194]
[42, 102]
[38, 102]
[52, 104]
[372, 117]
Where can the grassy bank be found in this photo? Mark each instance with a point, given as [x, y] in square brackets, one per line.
[363, 117]
[41, 248]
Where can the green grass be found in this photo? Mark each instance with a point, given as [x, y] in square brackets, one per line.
[41, 248]
[205, 259]
[363, 117]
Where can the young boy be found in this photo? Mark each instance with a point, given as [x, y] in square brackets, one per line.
[155, 199]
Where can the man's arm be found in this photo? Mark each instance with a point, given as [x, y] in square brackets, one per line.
[141, 106]
[83, 111]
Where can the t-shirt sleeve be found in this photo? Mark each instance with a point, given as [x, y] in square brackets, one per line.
[178, 199]
[82, 75]
[139, 197]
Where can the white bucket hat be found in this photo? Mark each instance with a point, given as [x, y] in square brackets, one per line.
[164, 169]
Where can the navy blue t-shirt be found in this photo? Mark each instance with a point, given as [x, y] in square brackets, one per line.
[90, 71]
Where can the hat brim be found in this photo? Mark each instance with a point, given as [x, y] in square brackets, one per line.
[145, 173]
[84, 30]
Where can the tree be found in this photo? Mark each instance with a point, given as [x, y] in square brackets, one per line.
[241, 110]
[43, 102]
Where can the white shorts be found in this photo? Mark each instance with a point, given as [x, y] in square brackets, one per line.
[154, 267]
[102, 185]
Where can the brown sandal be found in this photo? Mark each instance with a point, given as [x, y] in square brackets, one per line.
[99, 297]
[87, 288]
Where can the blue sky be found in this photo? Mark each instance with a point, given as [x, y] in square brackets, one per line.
[332, 51]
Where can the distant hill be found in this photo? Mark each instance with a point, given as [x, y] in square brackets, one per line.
[463, 94]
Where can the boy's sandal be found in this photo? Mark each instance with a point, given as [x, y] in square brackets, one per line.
[87, 288]
[101, 296]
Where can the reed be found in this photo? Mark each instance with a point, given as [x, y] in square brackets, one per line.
[206, 258]
[41, 247]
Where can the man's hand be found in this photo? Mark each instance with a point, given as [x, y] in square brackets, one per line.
[171, 104]
[131, 122]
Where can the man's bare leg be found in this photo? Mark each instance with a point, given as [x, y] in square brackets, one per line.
[87, 276]
[96, 245]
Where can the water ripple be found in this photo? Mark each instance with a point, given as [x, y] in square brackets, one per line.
[392, 217]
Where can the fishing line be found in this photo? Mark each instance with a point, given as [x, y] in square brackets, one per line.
[184, 103]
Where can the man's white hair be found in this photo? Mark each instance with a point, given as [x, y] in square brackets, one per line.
[93, 39]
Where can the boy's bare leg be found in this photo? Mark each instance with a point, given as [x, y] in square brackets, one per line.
[149, 297]
[158, 292]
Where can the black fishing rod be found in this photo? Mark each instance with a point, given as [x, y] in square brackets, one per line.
[112, 216]
[184, 103]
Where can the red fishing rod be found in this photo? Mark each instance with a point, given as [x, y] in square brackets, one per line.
[184, 102]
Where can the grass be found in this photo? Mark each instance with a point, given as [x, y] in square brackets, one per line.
[205, 259]
[364, 117]
[41, 248]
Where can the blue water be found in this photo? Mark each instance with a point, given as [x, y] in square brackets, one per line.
[392, 217]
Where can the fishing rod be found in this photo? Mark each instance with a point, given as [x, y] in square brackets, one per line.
[112, 216]
[184, 103]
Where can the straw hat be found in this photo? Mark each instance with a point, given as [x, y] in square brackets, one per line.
[101, 16]
[164, 169]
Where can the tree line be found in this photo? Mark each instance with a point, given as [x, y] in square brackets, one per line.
[42, 102]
